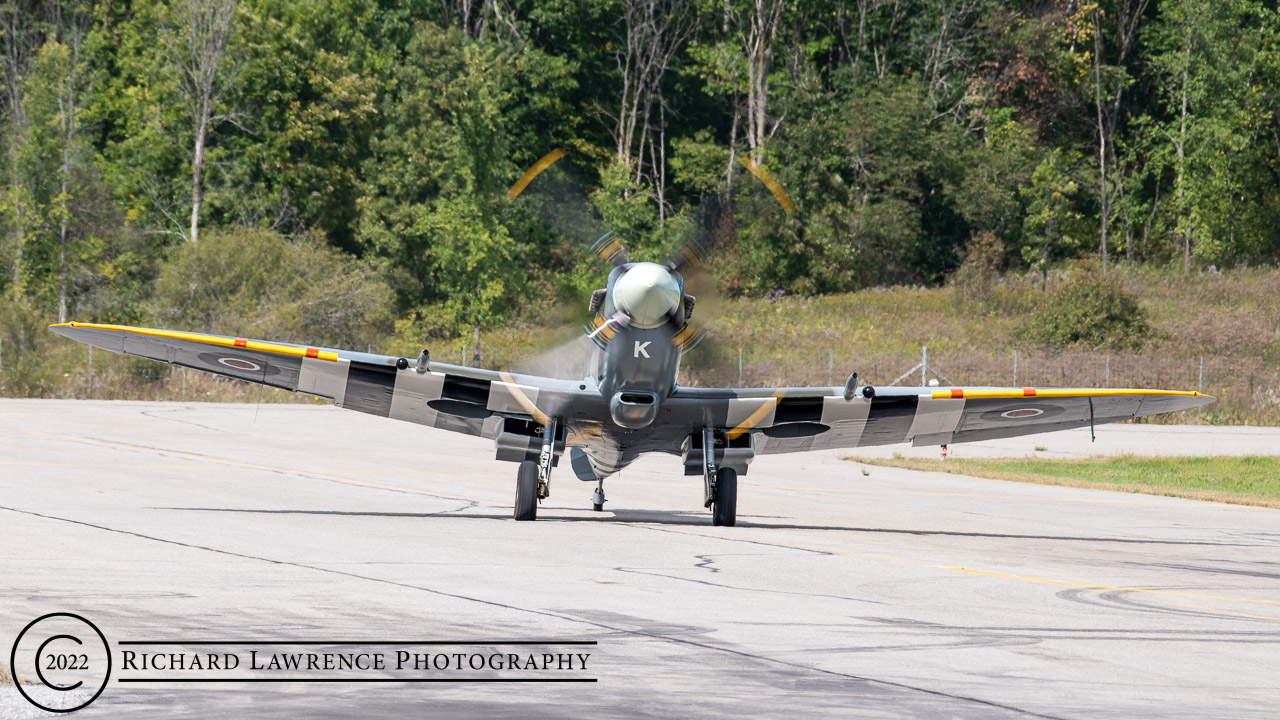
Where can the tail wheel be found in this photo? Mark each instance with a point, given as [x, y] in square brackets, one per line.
[527, 491]
[724, 510]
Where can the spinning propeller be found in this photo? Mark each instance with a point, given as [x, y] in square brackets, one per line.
[651, 295]
[646, 295]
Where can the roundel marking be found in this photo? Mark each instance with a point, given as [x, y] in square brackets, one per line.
[239, 363]
[1023, 410]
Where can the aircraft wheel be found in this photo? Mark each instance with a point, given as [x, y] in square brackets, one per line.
[598, 507]
[527, 491]
[724, 510]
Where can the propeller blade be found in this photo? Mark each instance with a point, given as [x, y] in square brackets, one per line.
[691, 254]
[687, 337]
[601, 331]
[610, 250]
[684, 335]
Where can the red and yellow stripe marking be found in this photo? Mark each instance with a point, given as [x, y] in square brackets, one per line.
[214, 340]
[1056, 393]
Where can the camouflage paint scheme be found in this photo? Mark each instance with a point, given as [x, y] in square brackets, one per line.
[633, 404]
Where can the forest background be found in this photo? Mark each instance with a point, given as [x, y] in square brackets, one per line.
[339, 173]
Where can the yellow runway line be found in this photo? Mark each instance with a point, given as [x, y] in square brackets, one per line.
[1006, 576]
[1097, 586]
[842, 491]
[23, 463]
[255, 466]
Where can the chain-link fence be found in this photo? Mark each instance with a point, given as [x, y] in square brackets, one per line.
[1247, 390]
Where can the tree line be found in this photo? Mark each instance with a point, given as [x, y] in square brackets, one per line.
[904, 133]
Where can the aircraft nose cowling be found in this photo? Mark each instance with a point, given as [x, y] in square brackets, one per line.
[634, 409]
[647, 293]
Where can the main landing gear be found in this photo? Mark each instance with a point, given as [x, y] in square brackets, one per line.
[724, 509]
[533, 479]
[721, 484]
[527, 491]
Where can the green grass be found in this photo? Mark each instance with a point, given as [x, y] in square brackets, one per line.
[1249, 480]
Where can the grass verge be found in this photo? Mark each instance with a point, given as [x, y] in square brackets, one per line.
[1249, 480]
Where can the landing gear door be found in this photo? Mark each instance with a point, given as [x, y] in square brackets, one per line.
[736, 453]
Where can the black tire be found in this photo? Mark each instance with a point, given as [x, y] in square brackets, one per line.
[527, 491]
[597, 507]
[724, 511]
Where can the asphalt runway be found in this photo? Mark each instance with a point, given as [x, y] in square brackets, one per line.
[887, 595]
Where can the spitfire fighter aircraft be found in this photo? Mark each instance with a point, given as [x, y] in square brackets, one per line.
[632, 403]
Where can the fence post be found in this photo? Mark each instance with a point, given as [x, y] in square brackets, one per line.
[464, 355]
[1108, 371]
[924, 365]
[739, 367]
[831, 363]
[1015, 368]
[1200, 382]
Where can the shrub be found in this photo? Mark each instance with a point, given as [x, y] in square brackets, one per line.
[975, 279]
[26, 369]
[1092, 309]
[258, 283]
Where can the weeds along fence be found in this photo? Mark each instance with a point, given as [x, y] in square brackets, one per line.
[1247, 390]
[65, 370]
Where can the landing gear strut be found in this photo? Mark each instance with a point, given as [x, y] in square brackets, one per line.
[533, 480]
[546, 458]
[721, 483]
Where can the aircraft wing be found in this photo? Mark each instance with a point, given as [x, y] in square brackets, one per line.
[450, 397]
[798, 419]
